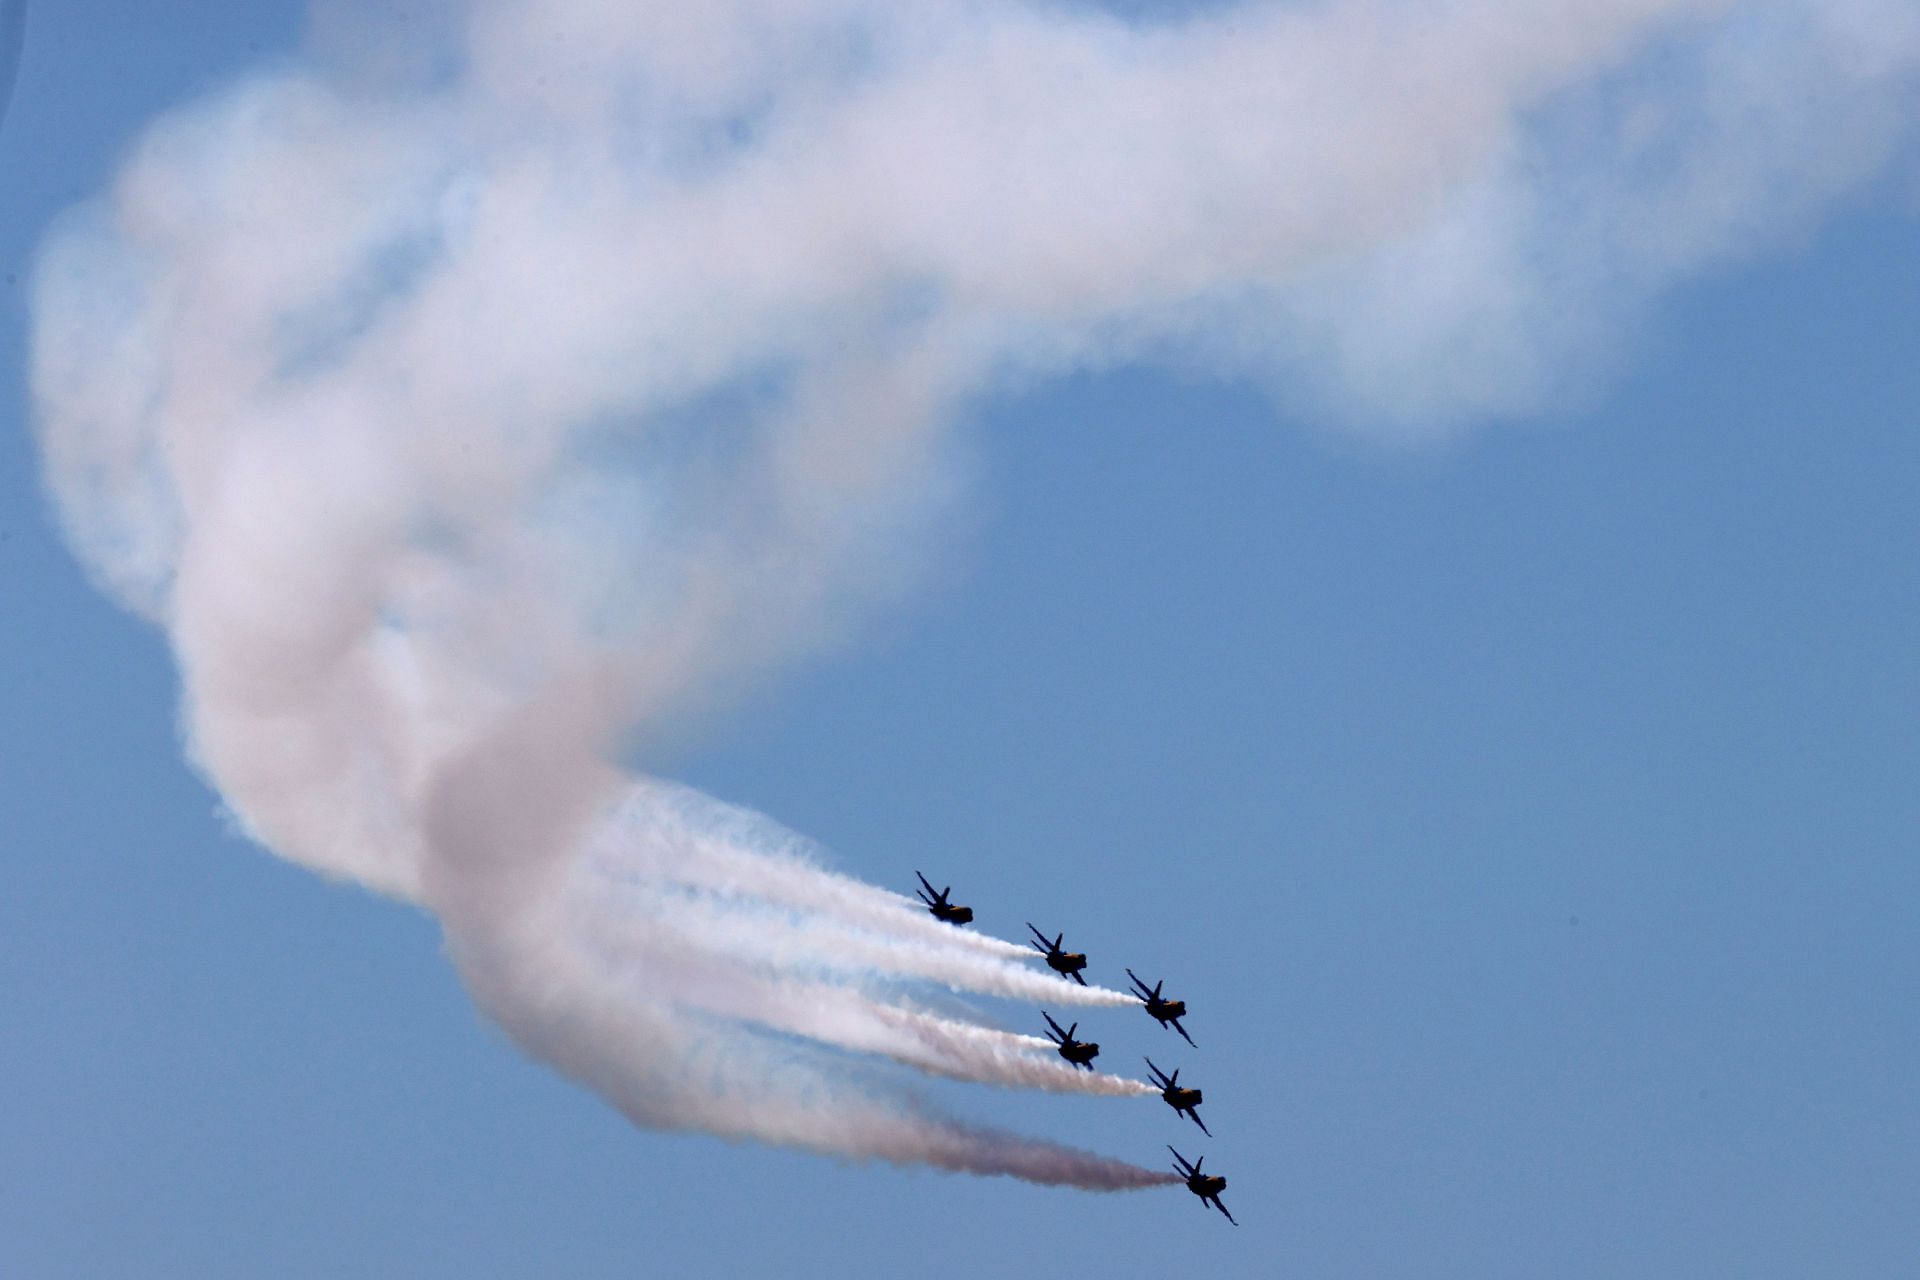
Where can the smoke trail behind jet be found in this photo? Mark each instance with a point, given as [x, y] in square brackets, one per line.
[13, 39]
[466, 431]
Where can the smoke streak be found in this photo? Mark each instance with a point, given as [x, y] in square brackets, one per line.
[663, 837]
[676, 834]
[796, 969]
[13, 39]
[665, 1070]
[470, 404]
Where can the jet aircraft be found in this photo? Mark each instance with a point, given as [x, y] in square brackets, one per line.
[1067, 964]
[1184, 1102]
[1078, 1052]
[1165, 1012]
[1207, 1187]
[939, 908]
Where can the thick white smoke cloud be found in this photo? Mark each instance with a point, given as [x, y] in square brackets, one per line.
[467, 402]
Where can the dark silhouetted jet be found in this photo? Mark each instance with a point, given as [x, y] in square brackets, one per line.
[1078, 1052]
[1207, 1188]
[1067, 964]
[939, 908]
[1165, 1012]
[1184, 1102]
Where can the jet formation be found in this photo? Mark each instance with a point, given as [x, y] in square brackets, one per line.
[1080, 1054]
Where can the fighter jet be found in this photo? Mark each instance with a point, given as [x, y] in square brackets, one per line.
[939, 908]
[1207, 1188]
[1067, 964]
[1165, 1012]
[1184, 1102]
[1078, 1052]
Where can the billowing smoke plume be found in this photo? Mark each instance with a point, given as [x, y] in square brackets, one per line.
[469, 403]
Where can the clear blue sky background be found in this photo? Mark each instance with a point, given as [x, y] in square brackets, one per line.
[1530, 824]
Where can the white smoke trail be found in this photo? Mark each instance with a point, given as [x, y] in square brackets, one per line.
[690, 974]
[673, 833]
[665, 1070]
[755, 960]
[743, 866]
[463, 412]
[825, 945]
[13, 37]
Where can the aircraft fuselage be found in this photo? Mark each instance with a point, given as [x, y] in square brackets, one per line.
[1206, 1186]
[1080, 1053]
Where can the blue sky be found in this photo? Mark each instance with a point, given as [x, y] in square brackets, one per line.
[1527, 819]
